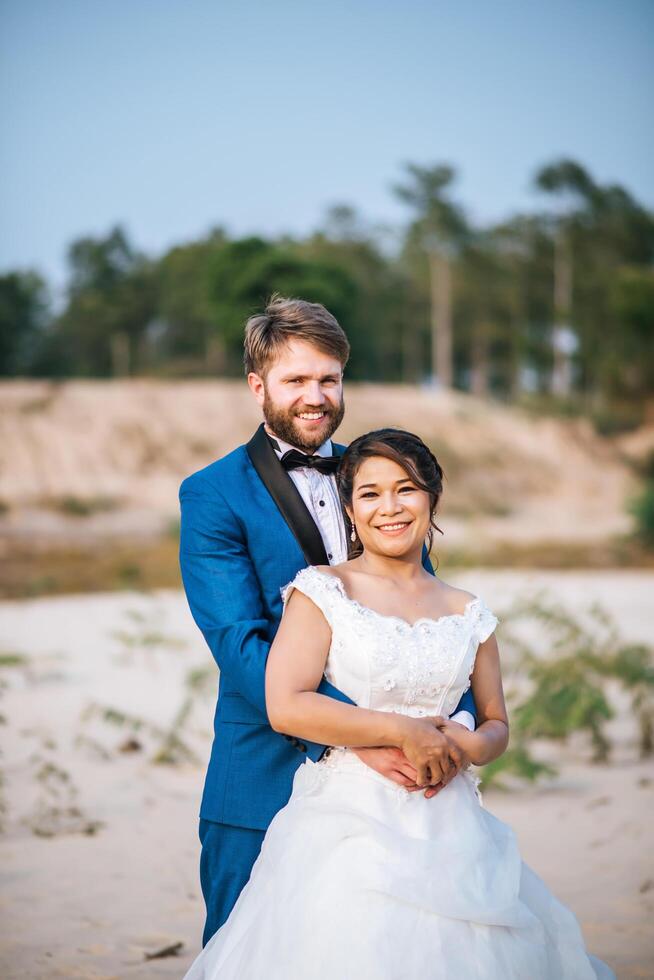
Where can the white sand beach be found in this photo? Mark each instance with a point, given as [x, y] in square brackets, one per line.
[99, 851]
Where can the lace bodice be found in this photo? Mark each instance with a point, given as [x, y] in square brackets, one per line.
[386, 663]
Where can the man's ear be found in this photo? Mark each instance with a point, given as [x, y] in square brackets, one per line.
[257, 387]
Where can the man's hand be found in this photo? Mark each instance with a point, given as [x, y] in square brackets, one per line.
[391, 763]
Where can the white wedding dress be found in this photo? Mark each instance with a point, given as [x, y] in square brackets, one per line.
[359, 878]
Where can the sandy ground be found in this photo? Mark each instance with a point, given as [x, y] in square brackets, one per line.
[99, 852]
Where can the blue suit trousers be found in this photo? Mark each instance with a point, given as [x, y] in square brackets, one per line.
[228, 854]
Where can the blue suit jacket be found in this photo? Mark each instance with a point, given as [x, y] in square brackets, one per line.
[245, 533]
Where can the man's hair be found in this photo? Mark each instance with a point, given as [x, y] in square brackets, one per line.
[291, 319]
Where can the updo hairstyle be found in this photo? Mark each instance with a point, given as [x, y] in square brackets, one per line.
[403, 448]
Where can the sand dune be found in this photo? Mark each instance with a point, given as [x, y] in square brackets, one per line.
[120, 448]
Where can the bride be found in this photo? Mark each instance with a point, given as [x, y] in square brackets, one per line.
[359, 877]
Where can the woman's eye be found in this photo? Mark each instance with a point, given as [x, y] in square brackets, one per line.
[368, 494]
[408, 489]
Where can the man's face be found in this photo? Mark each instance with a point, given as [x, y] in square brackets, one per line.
[301, 395]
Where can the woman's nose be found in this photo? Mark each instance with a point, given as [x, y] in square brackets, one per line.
[390, 503]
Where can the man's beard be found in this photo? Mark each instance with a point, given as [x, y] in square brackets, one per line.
[282, 422]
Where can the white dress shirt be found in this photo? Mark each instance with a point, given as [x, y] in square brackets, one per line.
[320, 495]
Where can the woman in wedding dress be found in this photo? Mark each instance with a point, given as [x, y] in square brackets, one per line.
[359, 877]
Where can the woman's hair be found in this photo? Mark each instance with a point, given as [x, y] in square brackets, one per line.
[291, 319]
[405, 449]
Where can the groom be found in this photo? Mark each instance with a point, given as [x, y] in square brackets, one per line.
[250, 522]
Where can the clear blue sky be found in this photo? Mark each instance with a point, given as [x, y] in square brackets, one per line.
[172, 116]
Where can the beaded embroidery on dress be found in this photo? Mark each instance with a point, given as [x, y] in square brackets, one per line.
[358, 877]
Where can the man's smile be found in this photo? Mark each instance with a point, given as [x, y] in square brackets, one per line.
[312, 416]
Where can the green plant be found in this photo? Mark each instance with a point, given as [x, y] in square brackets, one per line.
[642, 509]
[518, 762]
[615, 420]
[128, 575]
[172, 528]
[566, 697]
[171, 742]
[632, 666]
[12, 659]
[56, 810]
[566, 691]
[145, 636]
[83, 506]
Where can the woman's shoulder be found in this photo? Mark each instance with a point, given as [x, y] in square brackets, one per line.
[474, 610]
[321, 576]
[320, 572]
[316, 583]
[325, 569]
[457, 600]
[333, 572]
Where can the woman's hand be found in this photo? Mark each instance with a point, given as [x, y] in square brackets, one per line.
[467, 741]
[481, 746]
[434, 756]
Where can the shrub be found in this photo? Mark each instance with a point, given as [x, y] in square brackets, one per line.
[642, 508]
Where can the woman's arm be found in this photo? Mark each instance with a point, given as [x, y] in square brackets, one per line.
[293, 672]
[491, 737]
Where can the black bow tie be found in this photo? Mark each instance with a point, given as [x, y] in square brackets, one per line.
[294, 459]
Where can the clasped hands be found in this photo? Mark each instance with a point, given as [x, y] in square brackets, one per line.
[432, 752]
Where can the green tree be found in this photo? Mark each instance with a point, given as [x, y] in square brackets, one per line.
[632, 307]
[190, 340]
[23, 320]
[112, 299]
[246, 272]
[521, 285]
[576, 195]
[439, 230]
[597, 231]
[377, 317]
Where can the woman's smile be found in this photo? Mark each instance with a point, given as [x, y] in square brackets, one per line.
[395, 529]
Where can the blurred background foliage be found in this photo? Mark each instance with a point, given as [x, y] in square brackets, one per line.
[554, 307]
[569, 688]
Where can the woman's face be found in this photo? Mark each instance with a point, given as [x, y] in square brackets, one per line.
[391, 514]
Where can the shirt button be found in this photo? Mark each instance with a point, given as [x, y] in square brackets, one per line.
[322, 503]
[330, 556]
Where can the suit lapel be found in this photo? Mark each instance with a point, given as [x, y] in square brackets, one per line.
[287, 497]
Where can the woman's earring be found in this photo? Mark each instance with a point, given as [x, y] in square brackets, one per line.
[353, 535]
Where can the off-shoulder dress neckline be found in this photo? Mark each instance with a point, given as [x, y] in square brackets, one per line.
[340, 587]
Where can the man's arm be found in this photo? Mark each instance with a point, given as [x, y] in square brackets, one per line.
[224, 595]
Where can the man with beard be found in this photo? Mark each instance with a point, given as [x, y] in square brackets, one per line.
[250, 522]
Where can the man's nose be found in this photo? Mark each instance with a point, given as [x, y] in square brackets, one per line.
[313, 393]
